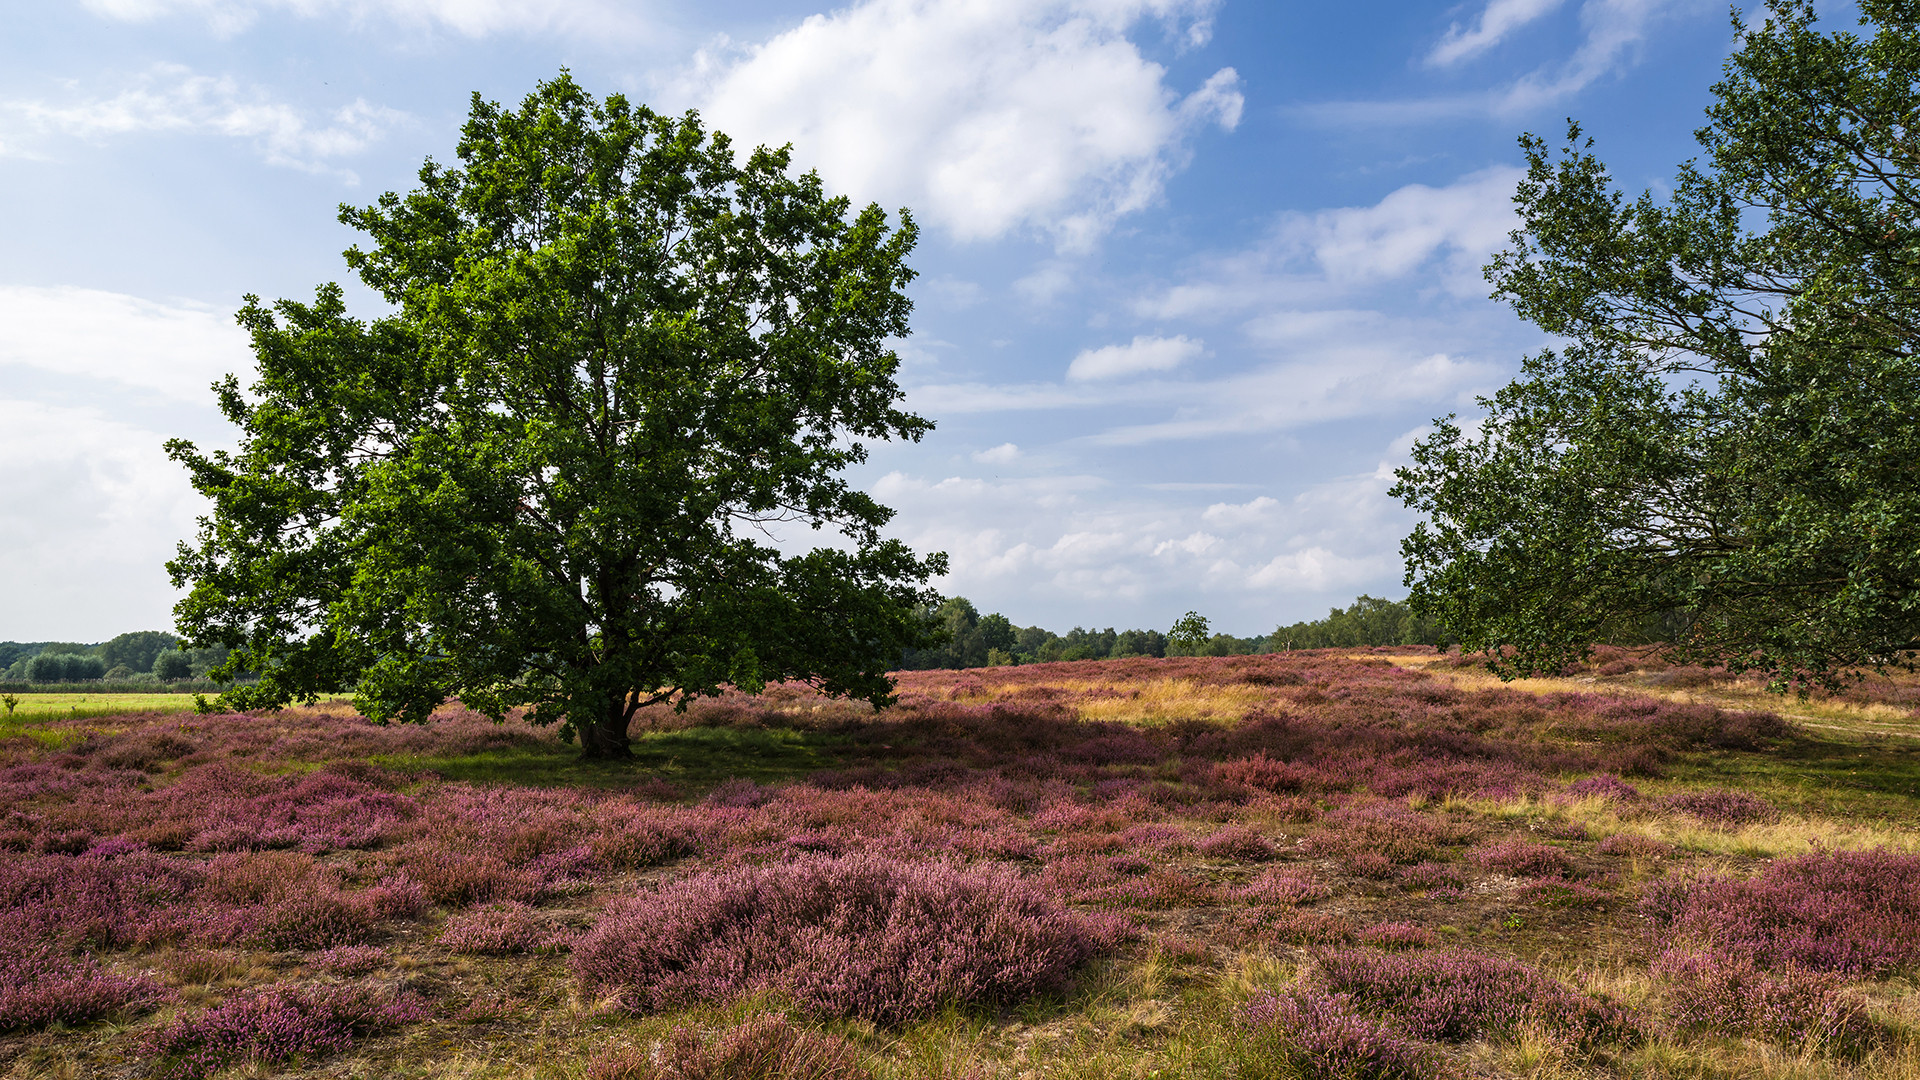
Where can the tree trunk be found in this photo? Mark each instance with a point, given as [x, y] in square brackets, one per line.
[605, 739]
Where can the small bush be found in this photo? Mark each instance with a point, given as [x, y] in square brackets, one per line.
[1284, 885]
[1523, 858]
[498, 930]
[1849, 911]
[1321, 1035]
[1604, 786]
[350, 960]
[275, 1025]
[859, 936]
[44, 986]
[1237, 842]
[764, 1048]
[1723, 807]
[1454, 994]
[1791, 1006]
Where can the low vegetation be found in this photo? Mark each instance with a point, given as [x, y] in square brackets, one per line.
[1287, 865]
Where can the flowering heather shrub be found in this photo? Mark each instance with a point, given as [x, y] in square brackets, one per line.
[1270, 926]
[1284, 885]
[1633, 844]
[1398, 936]
[739, 793]
[858, 936]
[1389, 829]
[350, 960]
[275, 1025]
[41, 986]
[633, 836]
[1522, 858]
[1848, 911]
[1604, 786]
[1368, 864]
[1266, 774]
[312, 920]
[1723, 807]
[1310, 1034]
[1163, 838]
[1454, 994]
[1791, 1005]
[764, 1048]
[1237, 842]
[499, 929]
[1432, 875]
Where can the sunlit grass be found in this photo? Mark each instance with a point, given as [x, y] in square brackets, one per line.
[1142, 701]
[34, 708]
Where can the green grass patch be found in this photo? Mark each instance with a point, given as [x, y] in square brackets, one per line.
[696, 759]
[1839, 777]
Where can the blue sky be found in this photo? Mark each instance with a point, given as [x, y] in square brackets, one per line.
[1195, 273]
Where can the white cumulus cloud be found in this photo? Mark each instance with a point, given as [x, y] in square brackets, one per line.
[1141, 354]
[1004, 454]
[986, 116]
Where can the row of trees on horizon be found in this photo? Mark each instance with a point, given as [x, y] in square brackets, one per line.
[976, 640]
[136, 658]
[972, 640]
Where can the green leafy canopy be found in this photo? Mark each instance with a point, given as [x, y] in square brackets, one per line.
[616, 358]
[1723, 451]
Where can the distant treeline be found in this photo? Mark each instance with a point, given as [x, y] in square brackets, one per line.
[972, 640]
[976, 640]
[144, 656]
[1370, 621]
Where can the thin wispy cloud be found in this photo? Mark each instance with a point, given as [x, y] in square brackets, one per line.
[1613, 34]
[1498, 19]
[1144, 353]
[468, 18]
[169, 99]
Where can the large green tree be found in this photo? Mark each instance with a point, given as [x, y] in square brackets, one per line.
[618, 355]
[1725, 441]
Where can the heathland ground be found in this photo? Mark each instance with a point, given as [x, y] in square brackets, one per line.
[1335, 863]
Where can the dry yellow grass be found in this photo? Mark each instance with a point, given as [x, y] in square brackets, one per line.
[1149, 702]
[1845, 716]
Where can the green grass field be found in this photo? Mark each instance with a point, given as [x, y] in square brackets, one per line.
[37, 707]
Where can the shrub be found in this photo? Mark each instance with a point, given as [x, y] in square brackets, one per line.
[499, 929]
[1284, 885]
[1723, 807]
[1848, 911]
[1604, 786]
[1455, 994]
[1311, 1034]
[1432, 875]
[275, 1025]
[1792, 1005]
[858, 936]
[764, 1048]
[1523, 858]
[42, 986]
[1237, 842]
[350, 960]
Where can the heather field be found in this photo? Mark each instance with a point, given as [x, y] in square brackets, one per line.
[1312, 864]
